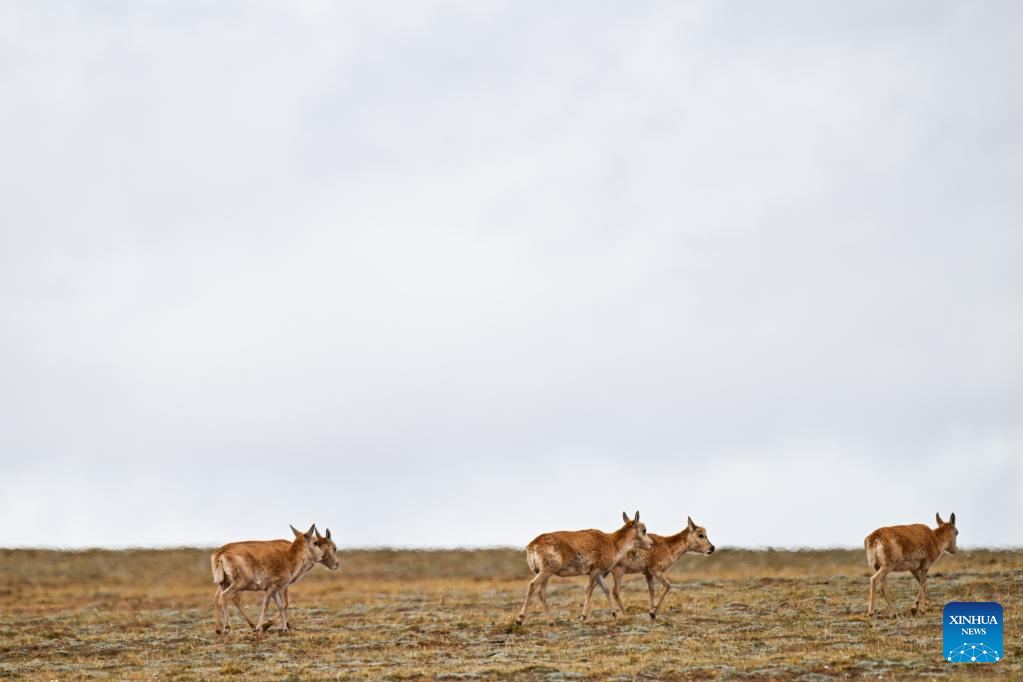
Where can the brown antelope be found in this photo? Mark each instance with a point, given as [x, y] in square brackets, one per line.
[269, 566]
[655, 562]
[592, 553]
[910, 548]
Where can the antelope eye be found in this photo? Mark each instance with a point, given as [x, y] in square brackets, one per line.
[701, 535]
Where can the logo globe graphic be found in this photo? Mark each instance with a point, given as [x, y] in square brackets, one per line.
[973, 653]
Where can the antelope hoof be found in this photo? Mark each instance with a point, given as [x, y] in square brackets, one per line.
[653, 615]
[220, 631]
[267, 626]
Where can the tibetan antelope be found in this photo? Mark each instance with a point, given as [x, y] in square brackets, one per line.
[591, 553]
[269, 566]
[653, 563]
[910, 548]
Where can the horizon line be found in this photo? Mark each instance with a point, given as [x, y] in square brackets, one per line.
[453, 548]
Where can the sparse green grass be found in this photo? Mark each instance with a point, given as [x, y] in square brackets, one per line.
[446, 615]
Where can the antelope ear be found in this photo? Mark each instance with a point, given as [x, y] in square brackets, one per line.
[636, 520]
[318, 536]
[328, 534]
[625, 518]
[294, 530]
[937, 517]
[692, 526]
[309, 533]
[952, 519]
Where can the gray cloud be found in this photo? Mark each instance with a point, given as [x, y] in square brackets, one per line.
[461, 274]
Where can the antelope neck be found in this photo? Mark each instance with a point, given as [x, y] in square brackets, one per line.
[617, 536]
[300, 560]
[678, 542]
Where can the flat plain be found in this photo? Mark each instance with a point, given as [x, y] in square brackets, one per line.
[447, 614]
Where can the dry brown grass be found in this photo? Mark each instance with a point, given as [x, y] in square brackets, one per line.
[447, 614]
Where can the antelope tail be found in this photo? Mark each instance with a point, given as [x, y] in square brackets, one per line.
[218, 569]
[871, 548]
[530, 559]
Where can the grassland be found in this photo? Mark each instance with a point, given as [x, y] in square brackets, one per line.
[446, 614]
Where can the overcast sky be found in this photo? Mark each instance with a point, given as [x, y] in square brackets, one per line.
[459, 273]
